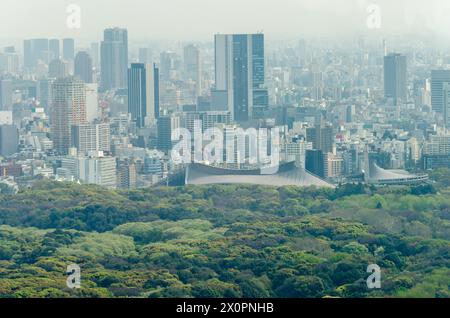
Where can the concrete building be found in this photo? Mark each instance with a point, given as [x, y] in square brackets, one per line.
[68, 108]
[91, 137]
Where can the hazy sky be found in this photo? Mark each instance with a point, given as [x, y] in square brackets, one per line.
[199, 19]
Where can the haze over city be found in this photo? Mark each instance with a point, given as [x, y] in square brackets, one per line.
[197, 19]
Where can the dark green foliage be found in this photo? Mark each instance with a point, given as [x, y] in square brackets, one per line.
[225, 241]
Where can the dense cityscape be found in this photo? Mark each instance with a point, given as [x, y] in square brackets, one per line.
[205, 154]
[106, 114]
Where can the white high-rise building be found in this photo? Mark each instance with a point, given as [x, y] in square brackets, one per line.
[92, 109]
[91, 137]
[68, 107]
[93, 169]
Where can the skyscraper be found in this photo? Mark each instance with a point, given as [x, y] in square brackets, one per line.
[9, 140]
[240, 72]
[144, 55]
[166, 125]
[68, 108]
[315, 162]
[94, 53]
[321, 137]
[6, 92]
[83, 67]
[92, 105]
[395, 77]
[58, 69]
[192, 66]
[35, 50]
[438, 80]
[9, 62]
[167, 64]
[143, 93]
[44, 89]
[114, 59]
[53, 47]
[446, 103]
[69, 49]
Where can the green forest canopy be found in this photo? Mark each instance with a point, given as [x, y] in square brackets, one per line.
[225, 241]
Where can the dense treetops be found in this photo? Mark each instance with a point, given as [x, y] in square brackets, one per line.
[226, 241]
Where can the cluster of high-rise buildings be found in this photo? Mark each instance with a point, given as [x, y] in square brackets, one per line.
[106, 113]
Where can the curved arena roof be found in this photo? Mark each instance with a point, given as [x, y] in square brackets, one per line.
[287, 175]
[383, 176]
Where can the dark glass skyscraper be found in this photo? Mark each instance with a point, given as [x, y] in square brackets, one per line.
[114, 59]
[240, 72]
[143, 93]
[395, 77]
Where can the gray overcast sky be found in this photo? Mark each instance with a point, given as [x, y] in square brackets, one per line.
[199, 19]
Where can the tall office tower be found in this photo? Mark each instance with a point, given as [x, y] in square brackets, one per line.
[154, 97]
[53, 47]
[240, 71]
[144, 55]
[438, 78]
[166, 125]
[321, 137]
[114, 59]
[6, 91]
[9, 61]
[58, 69]
[168, 65]
[92, 107]
[9, 140]
[35, 50]
[91, 137]
[395, 77]
[143, 93]
[83, 67]
[69, 49]
[193, 67]
[315, 162]
[137, 93]
[94, 53]
[43, 92]
[68, 108]
[317, 85]
[446, 103]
